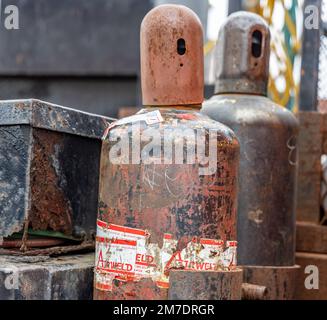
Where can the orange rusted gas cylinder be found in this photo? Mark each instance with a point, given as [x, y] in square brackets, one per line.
[168, 174]
[267, 133]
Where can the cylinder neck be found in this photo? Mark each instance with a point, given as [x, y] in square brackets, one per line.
[177, 107]
[242, 55]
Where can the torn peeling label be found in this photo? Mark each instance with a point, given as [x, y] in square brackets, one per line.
[149, 118]
[126, 261]
[229, 255]
[204, 255]
[103, 281]
[120, 253]
[169, 247]
[126, 254]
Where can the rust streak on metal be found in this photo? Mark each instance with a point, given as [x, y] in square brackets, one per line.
[130, 290]
[50, 208]
[30, 243]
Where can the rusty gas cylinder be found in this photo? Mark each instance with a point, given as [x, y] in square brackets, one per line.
[267, 133]
[168, 174]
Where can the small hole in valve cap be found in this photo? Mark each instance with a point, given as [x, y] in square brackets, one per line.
[181, 46]
[256, 43]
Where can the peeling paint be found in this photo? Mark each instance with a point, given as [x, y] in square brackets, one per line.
[167, 197]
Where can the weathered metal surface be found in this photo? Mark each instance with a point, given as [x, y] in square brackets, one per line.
[266, 202]
[253, 292]
[306, 277]
[267, 134]
[45, 115]
[14, 160]
[310, 144]
[280, 282]
[171, 57]
[311, 237]
[49, 168]
[69, 33]
[242, 58]
[130, 290]
[50, 208]
[147, 196]
[43, 278]
[207, 285]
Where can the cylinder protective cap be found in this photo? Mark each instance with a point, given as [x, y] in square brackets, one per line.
[242, 55]
[172, 57]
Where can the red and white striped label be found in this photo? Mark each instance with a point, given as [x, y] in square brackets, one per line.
[126, 254]
[122, 251]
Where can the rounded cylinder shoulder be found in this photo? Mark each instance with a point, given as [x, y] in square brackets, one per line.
[170, 119]
[247, 109]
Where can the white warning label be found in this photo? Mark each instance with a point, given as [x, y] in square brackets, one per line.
[126, 254]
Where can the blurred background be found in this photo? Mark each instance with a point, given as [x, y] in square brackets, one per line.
[85, 54]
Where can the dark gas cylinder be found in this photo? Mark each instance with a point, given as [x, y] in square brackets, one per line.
[161, 203]
[267, 133]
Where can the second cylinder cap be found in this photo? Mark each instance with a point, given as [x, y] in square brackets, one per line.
[171, 57]
[242, 55]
